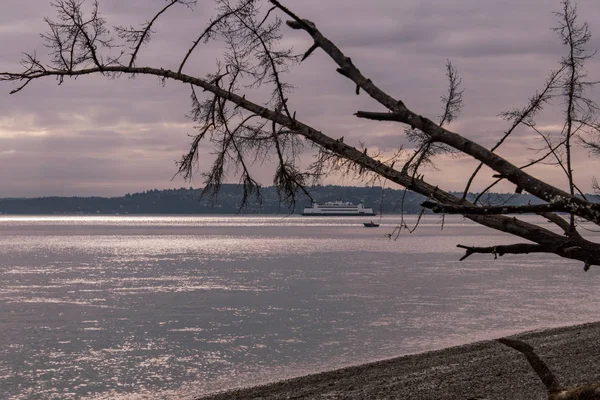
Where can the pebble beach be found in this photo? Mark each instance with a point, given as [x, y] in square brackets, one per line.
[484, 370]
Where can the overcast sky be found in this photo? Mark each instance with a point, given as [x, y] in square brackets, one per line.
[94, 136]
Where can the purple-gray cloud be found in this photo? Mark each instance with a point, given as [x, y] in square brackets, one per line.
[96, 136]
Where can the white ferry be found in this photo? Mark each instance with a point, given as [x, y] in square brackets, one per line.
[337, 208]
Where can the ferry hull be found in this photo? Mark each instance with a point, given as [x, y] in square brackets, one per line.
[337, 209]
[338, 214]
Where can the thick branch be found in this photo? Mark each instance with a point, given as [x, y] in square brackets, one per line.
[539, 366]
[493, 210]
[538, 188]
[520, 248]
[400, 113]
[515, 227]
[582, 250]
[551, 150]
[520, 116]
[561, 223]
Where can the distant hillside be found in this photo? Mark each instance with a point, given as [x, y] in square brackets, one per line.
[189, 201]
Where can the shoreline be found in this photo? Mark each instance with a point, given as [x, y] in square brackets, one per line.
[483, 370]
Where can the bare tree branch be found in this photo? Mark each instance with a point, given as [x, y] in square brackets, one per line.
[243, 132]
[541, 369]
[555, 390]
[493, 210]
[400, 113]
[520, 248]
[139, 37]
[518, 117]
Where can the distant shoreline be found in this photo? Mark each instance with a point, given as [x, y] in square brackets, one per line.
[241, 214]
[482, 370]
[229, 201]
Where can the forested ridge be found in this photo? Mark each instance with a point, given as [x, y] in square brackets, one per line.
[190, 201]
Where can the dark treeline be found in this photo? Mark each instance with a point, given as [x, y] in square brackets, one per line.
[189, 201]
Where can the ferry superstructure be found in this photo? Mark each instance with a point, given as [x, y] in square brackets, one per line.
[337, 208]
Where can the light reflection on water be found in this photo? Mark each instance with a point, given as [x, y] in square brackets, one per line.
[122, 306]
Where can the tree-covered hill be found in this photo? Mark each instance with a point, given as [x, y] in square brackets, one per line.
[189, 201]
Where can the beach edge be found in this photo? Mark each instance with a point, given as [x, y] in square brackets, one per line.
[484, 369]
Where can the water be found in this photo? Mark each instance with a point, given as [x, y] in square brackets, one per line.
[171, 307]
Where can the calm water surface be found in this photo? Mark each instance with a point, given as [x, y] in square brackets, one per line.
[171, 307]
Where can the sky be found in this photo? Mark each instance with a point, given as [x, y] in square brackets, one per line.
[97, 136]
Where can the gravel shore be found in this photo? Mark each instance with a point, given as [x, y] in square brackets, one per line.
[483, 370]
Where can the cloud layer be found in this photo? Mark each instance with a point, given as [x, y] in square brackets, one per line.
[96, 136]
